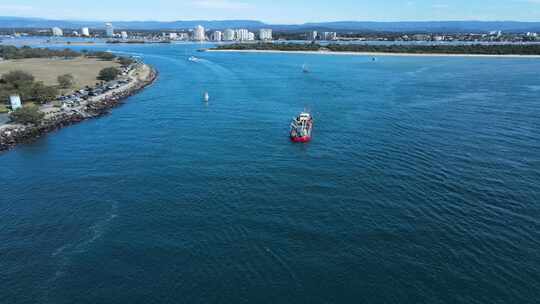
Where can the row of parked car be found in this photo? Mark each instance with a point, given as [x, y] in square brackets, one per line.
[75, 98]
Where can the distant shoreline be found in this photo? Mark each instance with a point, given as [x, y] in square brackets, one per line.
[378, 54]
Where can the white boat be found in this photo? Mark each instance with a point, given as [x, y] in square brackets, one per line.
[206, 97]
[193, 59]
[305, 69]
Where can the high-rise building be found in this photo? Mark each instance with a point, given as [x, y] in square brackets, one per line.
[109, 29]
[229, 35]
[173, 36]
[124, 35]
[265, 34]
[217, 36]
[56, 31]
[85, 32]
[312, 35]
[199, 33]
[329, 36]
[251, 36]
[242, 35]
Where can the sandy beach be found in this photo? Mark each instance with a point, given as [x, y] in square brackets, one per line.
[376, 54]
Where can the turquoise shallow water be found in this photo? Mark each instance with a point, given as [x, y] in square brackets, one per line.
[421, 185]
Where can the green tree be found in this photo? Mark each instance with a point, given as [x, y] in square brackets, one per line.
[28, 114]
[18, 79]
[106, 56]
[16, 82]
[66, 81]
[42, 93]
[125, 61]
[108, 74]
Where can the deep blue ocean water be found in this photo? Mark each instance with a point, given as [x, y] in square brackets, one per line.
[421, 185]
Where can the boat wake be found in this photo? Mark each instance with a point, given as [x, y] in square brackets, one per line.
[66, 252]
[96, 231]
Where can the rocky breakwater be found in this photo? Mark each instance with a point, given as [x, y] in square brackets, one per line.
[13, 134]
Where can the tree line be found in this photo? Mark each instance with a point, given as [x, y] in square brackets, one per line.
[11, 52]
[476, 49]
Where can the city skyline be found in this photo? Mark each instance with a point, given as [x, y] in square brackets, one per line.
[279, 11]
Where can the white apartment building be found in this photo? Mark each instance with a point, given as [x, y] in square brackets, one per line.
[56, 31]
[199, 33]
[242, 35]
[312, 35]
[85, 32]
[265, 34]
[229, 35]
[329, 36]
[109, 29]
[183, 36]
[217, 36]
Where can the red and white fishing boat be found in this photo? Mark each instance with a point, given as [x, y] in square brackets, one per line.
[301, 127]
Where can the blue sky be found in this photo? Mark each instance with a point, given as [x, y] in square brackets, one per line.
[276, 11]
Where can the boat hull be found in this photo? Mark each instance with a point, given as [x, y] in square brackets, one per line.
[300, 139]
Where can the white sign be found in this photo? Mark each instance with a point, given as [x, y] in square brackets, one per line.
[15, 102]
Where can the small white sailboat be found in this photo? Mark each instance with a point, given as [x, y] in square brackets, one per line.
[304, 68]
[206, 97]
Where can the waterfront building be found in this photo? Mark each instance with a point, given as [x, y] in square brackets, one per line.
[173, 36]
[199, 33]
[183, 36]
[85, 32]
[124, 35]
[109, 29]
[242, 35]
[229, 35]
[251, 36]
[217, 36]
[265, 34]
[15, 101]
[56, 31]
[312, 35]
[495, 33]
[421, 37]
[329, 36]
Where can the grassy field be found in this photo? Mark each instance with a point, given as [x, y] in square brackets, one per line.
[85, 70]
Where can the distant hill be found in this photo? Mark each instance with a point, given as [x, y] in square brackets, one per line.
[353, 26]
[19, 22]
[431, 26]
